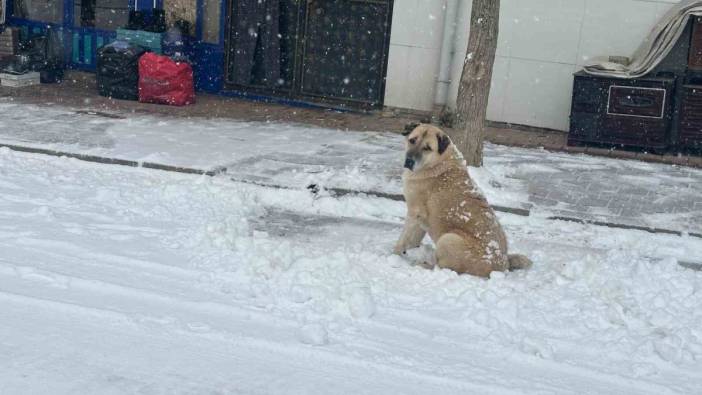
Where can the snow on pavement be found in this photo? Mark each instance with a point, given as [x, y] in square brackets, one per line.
[199, 143]
[576, 186]
[124, 280]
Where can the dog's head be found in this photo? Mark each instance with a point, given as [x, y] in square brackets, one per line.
[425, 146]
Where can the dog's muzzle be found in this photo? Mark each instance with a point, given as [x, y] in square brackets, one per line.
[409, 163]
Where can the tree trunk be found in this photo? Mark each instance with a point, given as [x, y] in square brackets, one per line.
[474, 88]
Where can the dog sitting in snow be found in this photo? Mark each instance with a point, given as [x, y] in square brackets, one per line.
[443, 201]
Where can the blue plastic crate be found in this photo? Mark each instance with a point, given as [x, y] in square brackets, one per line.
[149, 40]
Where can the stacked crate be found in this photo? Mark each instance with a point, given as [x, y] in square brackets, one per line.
[20, 80]
[691, 95]
[9, 41]
[691, 117]
[618, 112]
[149, 40]
[695, 60]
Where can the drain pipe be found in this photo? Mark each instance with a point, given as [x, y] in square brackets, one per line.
[448, 49]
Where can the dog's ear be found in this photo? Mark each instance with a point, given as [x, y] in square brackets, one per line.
[444, 142]
[410, 127]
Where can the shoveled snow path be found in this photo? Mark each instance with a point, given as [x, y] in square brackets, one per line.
[130, 280]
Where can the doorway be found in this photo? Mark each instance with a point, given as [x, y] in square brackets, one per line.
[327, 51]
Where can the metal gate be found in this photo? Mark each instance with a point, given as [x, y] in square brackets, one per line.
[329, 51]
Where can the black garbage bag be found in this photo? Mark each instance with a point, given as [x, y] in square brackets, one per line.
[54, 64]
[52, 75]
[118, 70]
[18, 65]
[42, 53]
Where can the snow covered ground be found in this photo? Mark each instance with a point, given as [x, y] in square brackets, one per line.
[129, 280]
[577, 186]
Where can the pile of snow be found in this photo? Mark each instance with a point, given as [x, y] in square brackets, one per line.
[151, 281]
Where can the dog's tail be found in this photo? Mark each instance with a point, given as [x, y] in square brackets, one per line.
[518, 262]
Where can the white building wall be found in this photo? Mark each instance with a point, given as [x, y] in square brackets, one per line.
[541, 44]
[415, 49]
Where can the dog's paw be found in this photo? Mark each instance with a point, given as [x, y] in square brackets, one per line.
[425, 265]
[423, 253]
[399, 251]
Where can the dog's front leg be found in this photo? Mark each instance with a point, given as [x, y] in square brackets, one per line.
[411, 237]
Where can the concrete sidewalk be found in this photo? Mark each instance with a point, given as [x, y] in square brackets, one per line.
[581, 187]
[79, 92]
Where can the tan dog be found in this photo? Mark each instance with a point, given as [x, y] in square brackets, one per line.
[443, 201]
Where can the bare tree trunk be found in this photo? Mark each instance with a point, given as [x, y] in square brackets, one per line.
[474, 89]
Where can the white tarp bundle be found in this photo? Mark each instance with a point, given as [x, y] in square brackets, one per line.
[655, 47]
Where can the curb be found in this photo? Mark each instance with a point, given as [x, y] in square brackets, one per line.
[111, 161]
[313, 188]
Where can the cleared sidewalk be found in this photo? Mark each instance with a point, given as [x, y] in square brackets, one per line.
[559, 185]
[79, 91]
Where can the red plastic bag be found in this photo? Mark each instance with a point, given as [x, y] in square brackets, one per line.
[164, 81]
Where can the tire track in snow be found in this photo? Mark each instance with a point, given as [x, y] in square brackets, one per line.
[215, 319]
[284, 343]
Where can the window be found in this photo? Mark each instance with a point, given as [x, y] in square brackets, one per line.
[181, 10]
[39, 10]
[101, 14]
[210, 21]
[86, 13]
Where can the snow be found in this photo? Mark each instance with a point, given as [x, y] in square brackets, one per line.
[295, 156]
[129, 280]
[261, 149]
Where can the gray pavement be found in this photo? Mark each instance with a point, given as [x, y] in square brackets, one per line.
[620, 191]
